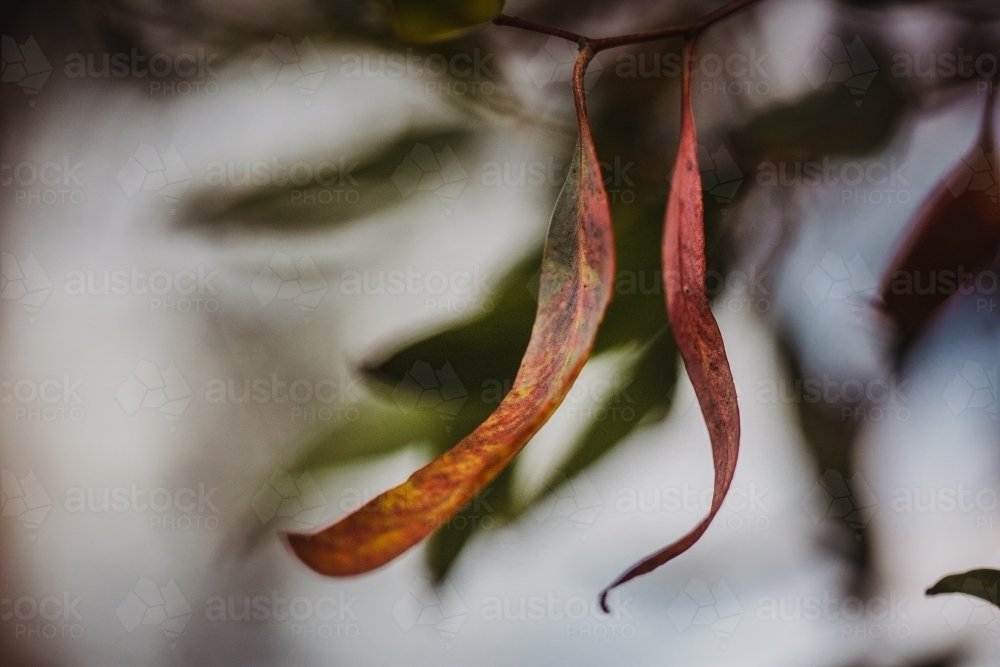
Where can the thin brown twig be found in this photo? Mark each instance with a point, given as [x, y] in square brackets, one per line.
[515, 22]
[689, 30]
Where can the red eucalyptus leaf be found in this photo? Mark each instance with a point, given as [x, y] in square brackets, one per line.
[954, 235]
[695, 329]
[576, 278]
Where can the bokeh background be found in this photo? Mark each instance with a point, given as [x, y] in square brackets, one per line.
[262, 260]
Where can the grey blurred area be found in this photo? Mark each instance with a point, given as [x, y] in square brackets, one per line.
[261, 261]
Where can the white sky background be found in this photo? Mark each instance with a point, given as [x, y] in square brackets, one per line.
[757, 553]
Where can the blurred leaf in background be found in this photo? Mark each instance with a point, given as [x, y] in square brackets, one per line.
[978, 583]
[435, 20]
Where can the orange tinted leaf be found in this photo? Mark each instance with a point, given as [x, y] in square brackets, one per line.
[954, 235]
[576, 279]
[695, 329]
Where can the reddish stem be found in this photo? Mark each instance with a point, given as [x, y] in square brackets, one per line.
[579, 97]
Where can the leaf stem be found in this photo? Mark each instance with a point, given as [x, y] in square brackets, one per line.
[579, 96]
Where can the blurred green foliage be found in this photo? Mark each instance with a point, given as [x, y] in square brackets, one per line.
[435, 20]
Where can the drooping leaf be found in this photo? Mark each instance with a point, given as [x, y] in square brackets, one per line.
[954, 235]
[575, 287]
[695, 329]
[435, 20]
[979, 583]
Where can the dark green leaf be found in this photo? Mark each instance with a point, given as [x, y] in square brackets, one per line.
[978, 583]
